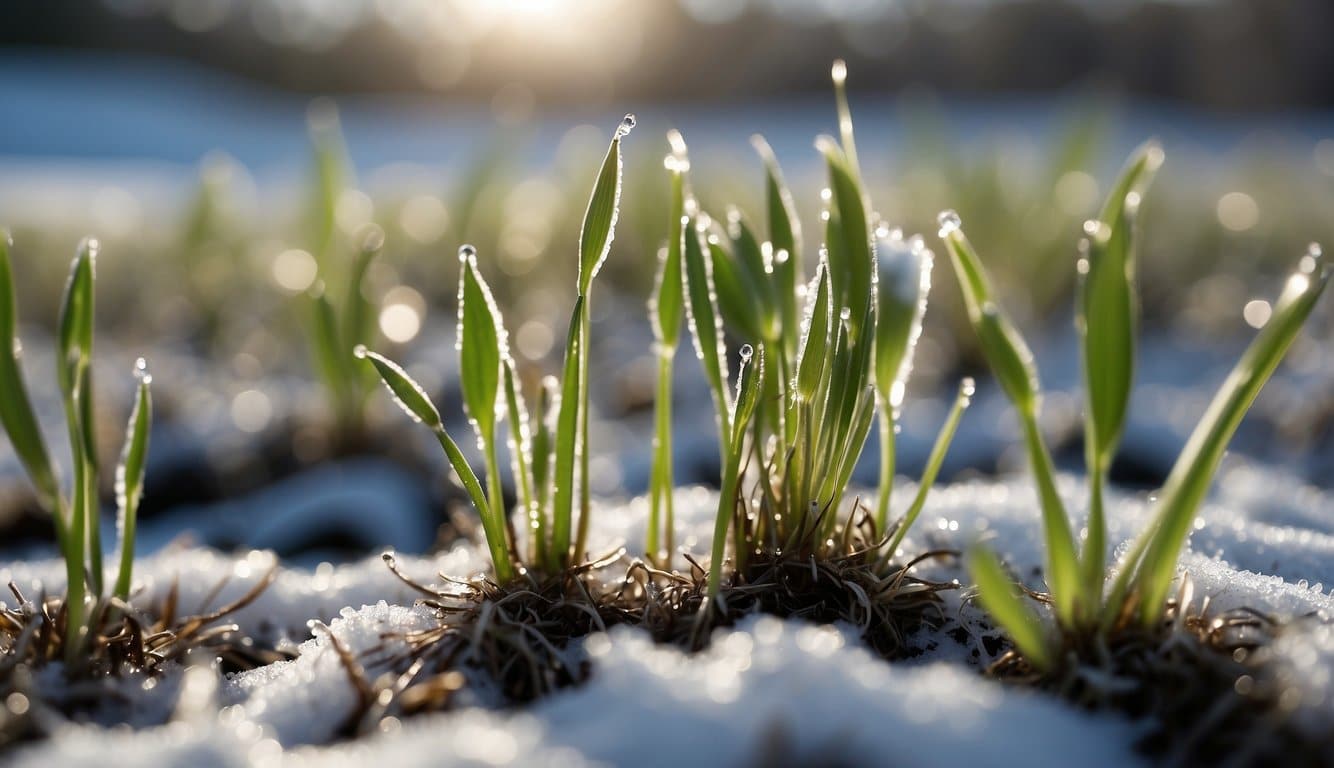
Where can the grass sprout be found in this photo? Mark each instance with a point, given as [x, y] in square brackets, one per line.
[550, 465]
[76, 516]
[340, 316]
[812, 378]
[1084, 608]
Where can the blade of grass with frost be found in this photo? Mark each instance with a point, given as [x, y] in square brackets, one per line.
[838, 72]
[749, 377]
[737, 294]
[599, 228]
[410, 396]
[1191, 476]
[482, 347]
[665, 310]
[16, 413]
[756, 266]
[933, 462]
[1107, 312]
[130, 475]
[904, 280]
[1002, 600]
[541, 460]
[1012, 364]
[567, 439]
[521, 446]
[705, 327]
[848, 236]
[73, 355]
[785, 236]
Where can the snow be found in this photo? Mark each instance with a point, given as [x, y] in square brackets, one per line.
[1264, 541]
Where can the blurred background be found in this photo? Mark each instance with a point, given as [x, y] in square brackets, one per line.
[229, 155]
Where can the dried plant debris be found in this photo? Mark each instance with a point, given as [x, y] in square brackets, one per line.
[127, 643]
[1202, 679]
[517, 640]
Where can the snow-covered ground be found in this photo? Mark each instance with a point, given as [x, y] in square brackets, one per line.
[764, 688]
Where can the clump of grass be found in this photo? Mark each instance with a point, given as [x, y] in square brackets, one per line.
[92, 628]
[552, 471]
[812, 383]
[1090, 615]
[76, 517]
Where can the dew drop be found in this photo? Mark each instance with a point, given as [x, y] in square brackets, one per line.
[467, 252]
[141, 371]
[845, 314]
[949, 223]
[747, 352]
[839, 71]
[360, 352]
[388, 558]
[627, 125]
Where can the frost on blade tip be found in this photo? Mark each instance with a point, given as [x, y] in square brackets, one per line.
[405, 391]
[141, 372]
[627, 125]
[949, 222]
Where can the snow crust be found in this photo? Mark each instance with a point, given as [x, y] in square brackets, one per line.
[1263, 541]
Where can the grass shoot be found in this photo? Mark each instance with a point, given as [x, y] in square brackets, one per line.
[549, 466]
[76, 517]
[1083, 606]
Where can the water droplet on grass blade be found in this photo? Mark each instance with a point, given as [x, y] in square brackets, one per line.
[747, 352]
[141, 371]
[359, 352]
[839, 71]
[949, 222]
[467, 252]
[627, 125]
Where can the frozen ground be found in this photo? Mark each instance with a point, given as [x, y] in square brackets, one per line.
[1263, 541]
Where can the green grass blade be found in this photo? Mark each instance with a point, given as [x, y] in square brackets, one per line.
[1011, 362]
[1191, 476]
[1107, 307]
[849, 236]
[521, 446]
[755, 262]
[1107, 312]
[329, 176]
[543, 440]
[567, 438]
[16, 413]
[937, 457]
[410, 396]
[749, 380]
[666, 306]
[705, 324]
[904, 280]
[482, 346]
[328, 350]
[1004, 602]
[130, 476]
[839, 74]
[358, 313]
[603, 207]
[815, 333]
[785, 237]
[738, 295]
[492, 526]
[406, 392]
